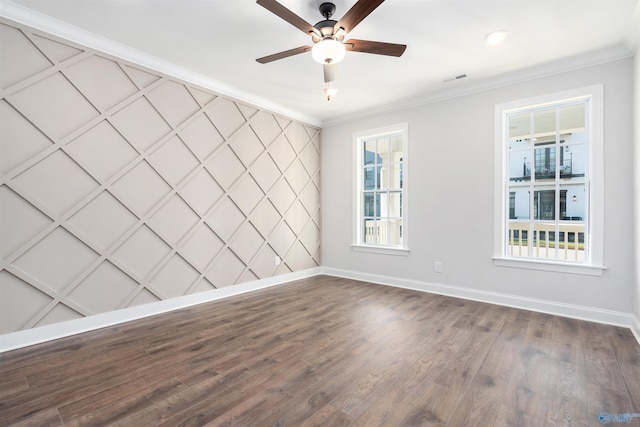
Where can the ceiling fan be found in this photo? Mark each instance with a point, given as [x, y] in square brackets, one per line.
[328, 35]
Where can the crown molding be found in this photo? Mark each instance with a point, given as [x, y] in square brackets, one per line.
[46, 24]
[494, 82]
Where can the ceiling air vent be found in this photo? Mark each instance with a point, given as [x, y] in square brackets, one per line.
[456, 77]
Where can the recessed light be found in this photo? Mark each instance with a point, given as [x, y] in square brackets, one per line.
[495, 37]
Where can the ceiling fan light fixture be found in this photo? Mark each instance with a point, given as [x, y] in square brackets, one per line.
[328, 51]
[330, 91]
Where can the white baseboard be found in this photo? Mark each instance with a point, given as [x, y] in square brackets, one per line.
[54, 331]
[635, 328]
[41, 334]
[591, 314]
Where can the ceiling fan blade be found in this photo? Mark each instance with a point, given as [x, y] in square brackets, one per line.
[330, 72]
[277, 9]
[283, 54]
[377, 48]
[356, 14]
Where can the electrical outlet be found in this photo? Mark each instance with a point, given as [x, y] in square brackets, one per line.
[278, 260]
[437, 267]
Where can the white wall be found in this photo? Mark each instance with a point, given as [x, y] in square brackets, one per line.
[451, 174]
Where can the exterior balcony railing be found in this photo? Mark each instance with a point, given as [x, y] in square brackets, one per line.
[383, 232]
[545, 242]
[546, 172]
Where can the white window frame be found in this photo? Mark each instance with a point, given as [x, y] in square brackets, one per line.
[358, 137]
[594, 264]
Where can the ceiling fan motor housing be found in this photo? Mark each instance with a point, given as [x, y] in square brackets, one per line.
[326, 28]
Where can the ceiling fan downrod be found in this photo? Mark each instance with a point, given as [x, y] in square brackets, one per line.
[327, 9]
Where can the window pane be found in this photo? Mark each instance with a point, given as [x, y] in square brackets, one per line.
[395, 232]
[544, 125]
[368, 204]
[519, 129]
[545, 163]
[383, 150]
[573, 162]
[369, 178]
[382, 232]
[520, 199]
[566, 162]
[574, 203]
[380, 177]
[383, 198]
[519, 165]
[571, 244]
[369, 231]
[396, 149]
[572, 119]
[395, 204]
[392, 175]
[370, 152]
[512, 205]
[544, 203]
[543, 243]
[395, 158]
[518, 239]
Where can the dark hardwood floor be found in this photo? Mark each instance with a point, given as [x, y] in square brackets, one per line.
[329, 352]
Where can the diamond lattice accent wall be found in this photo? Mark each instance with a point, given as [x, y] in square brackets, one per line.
[120, 186]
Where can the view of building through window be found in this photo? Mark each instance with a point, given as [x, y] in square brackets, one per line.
[548, 195]
[381, 189]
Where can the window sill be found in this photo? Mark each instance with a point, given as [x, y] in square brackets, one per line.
[559, 267]
[384, 250]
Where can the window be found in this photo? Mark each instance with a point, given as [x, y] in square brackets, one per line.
[549, 186]
[380, 223]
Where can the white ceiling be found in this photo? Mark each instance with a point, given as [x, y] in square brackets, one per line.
[220, 39]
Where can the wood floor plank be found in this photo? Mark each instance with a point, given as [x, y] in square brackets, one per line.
[493, 383]
[46, 418]
[107, 405]
[208, 408]
[602, 399]
[340, 363]
[9, 386]
[508, 417]
[299, 409]
[328, 351]
[526, 398]
[540, 325]
[434, 407]
[599, 358]
[463, 366]
[627, 354]
[566, 395]
[272, 394]
[519, 355]
[328, 416]
[416, 397]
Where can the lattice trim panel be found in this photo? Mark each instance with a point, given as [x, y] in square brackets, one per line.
[120, 186]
